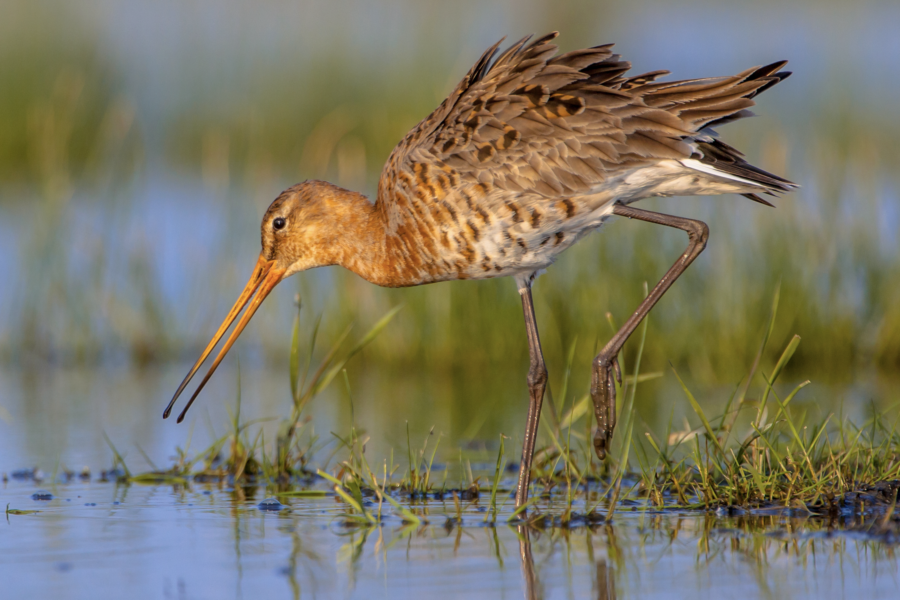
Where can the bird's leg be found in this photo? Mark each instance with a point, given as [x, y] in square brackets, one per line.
[537, 383]
[606, 367]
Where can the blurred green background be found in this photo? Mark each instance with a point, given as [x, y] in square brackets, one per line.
[141, 142]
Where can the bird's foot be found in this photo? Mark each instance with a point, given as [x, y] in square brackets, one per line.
[604, 375]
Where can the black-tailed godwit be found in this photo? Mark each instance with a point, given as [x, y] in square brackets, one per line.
[528, 154]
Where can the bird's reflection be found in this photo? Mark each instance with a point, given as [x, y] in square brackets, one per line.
[606, 586]
[583, 561]
[533, 589]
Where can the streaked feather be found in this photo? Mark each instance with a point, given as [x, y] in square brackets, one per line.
[543, 144]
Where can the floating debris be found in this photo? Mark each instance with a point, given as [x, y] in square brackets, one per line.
[271, 504]
[16, 511]
[28, 474]
[112, 475]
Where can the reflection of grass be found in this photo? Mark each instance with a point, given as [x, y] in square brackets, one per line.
[772, 554]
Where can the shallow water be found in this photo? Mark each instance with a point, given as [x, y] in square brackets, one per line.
[56, 419]
[95, 540]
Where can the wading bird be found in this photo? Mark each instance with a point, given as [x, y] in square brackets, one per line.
[527, 155]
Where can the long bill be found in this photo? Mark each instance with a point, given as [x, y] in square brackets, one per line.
[264, 279]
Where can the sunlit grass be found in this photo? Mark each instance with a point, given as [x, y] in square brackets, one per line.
[758, 451]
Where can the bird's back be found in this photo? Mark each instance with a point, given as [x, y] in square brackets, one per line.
[531, 150]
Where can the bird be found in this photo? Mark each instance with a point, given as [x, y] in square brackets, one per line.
[530, 152]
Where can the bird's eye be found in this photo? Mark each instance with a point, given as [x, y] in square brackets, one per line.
[279, 223]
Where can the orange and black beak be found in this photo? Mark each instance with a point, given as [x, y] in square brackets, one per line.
[264, 279]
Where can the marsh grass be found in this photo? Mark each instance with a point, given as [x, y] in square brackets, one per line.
[784, 458]
[94, 288]
[760, 453]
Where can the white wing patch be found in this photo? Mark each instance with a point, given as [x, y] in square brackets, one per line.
[704, 168]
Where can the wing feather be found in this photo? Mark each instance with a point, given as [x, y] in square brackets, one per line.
[530, 122]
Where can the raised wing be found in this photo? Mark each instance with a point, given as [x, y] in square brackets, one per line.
[560, 125]
[529, 145]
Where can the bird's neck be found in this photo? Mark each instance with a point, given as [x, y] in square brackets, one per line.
[361, 240]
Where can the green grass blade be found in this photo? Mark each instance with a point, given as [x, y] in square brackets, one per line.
[340, 491]
[515, 514]
[437, 442]
[779, 366]
[574, 414]
[408, 515]
[362, 343]
[759, 354]
[498, 470]
[309, 355]
[696, 406]
[294, 362]
[116, 456]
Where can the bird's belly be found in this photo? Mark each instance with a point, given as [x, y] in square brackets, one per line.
[522, 249]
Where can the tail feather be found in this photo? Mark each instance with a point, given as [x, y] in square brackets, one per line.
[756, 198]
[703, 104]
[727, 159]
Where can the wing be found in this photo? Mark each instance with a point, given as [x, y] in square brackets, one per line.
[551, 125]
[532, 136]
[538, 123]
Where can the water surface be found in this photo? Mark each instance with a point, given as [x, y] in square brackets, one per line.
[96, 540]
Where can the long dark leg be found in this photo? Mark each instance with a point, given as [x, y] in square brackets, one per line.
[605, 367]
[537, 383]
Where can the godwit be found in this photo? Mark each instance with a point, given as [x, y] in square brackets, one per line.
[528, 154]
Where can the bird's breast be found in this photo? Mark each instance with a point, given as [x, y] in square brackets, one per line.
[475, 232]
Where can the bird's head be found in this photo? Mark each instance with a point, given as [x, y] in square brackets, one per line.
[301, 227]
[300, 231]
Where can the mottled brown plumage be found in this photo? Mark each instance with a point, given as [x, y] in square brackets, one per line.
[531, 151]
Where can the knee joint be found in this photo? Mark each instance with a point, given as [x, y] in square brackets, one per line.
[602, 361]
[699, 231]
[537, 375]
